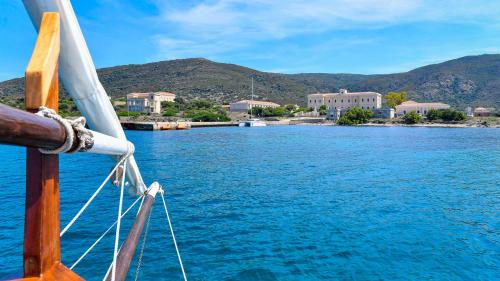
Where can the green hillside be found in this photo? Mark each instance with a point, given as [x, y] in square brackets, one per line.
[473, 80]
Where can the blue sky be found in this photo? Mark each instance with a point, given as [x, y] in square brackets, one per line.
[293, 36]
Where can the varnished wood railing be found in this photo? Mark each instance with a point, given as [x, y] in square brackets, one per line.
[22, 128]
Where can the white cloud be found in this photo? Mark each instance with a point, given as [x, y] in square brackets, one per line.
[277, 19]
[214, 27]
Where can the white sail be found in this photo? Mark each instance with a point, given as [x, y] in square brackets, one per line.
[80, 79]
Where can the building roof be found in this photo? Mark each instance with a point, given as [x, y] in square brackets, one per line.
[481, 110]
[411, 103]
[257, 102]
[146, 95]
[346, 94]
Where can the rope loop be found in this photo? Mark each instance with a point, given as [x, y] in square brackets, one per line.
[84, 136]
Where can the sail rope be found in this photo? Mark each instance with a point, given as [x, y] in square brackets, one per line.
[104, 234]
[173, 236]
[118, 223]
[93, 195]
[139, 261]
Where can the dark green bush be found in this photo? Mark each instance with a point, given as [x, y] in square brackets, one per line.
[355, 116]
[412, 117]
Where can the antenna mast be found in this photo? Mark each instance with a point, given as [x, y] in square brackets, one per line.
[251, 105]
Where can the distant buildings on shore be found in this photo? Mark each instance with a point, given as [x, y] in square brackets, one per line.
[148, 102]
[419, 107]
[483, 112]
[345, 100]
[245, 105]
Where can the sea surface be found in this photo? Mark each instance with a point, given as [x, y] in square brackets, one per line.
[287, 203]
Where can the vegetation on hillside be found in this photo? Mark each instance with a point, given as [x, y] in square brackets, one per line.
[468, 81]
[355, 116]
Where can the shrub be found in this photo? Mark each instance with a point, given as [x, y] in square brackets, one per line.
[322, 110]
[445, 115]
[268, 111]
[355, 116]
[433, 114]
[412, 117]
[170, 112]
[207, 116]
[452, 115]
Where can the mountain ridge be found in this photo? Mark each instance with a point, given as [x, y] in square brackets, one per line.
[465, 81]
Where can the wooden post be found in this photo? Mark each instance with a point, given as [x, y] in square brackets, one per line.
[42, 253]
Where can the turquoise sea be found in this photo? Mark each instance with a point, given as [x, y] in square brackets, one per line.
[288, 203]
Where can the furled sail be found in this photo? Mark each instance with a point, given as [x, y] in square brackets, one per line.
[80, 79]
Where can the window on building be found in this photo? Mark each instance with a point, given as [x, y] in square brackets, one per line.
[342, 100]
[404, 111]
[362, 100]
[355, 100]
[348, 100]
[373, 99]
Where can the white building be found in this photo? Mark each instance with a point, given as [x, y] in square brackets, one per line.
[147, 102]
[344, 100]
[245, 105]
[418, 107]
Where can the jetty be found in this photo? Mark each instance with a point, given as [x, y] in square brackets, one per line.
[155, 126]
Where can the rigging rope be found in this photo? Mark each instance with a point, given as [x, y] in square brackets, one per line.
[77, 125]
[118, 224]
[93, 196]
[173, 236]
[137, 271]
[104, 234]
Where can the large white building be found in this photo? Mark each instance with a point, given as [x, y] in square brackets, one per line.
[344, 100]
[419, 107]
[147, 102]
[245, 105]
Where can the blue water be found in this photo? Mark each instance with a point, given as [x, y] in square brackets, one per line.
[289, 203]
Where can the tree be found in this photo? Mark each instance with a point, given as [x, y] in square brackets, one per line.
[290, 107]
[395, 98]
[452, 115]
[207, 116]
[355, 116]
[445, 115]
[433, 114]
[322, 110]
[412, 117]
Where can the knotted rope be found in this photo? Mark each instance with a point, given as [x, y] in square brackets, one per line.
[77, 125]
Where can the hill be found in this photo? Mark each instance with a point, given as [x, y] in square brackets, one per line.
[473, 80]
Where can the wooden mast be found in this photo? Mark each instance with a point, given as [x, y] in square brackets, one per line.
[42, 250]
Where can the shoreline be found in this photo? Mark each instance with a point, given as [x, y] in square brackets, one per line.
[160, 126]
